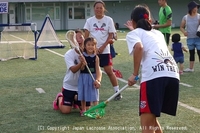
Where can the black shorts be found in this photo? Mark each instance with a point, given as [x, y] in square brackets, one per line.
[105, 60]
[159, 95]
[68, 98]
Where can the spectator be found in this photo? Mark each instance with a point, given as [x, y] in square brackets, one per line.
[188, 27]
[165, 20]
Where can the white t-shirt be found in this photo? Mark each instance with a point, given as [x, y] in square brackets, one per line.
[70, 81]
[157, 60]
[99, 29]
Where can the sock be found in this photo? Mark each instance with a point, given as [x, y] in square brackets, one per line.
[116, 88]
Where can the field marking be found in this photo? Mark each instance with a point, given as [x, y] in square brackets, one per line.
[189, 107]
[179, 103]
[170, 38]
[184, 84]
[125, 81]
[40, 90]
[54, 52]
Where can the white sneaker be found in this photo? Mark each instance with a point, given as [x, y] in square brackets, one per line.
[188, 70]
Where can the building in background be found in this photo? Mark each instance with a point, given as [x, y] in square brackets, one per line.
[72, 14]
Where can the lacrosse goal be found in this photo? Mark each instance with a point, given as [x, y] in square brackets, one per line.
[18, 40]
[47, 37]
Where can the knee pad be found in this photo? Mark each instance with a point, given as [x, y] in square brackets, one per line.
[192, 55]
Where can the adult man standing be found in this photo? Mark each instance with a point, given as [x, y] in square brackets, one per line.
[165, 19]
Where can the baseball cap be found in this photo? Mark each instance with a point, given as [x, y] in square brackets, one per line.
[192, 5]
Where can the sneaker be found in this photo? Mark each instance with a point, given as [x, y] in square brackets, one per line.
[82, 113]
[181, 72]
[55, 102]
[118, 97]
[188, 70]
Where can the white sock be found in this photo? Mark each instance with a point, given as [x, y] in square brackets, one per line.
[116, 88]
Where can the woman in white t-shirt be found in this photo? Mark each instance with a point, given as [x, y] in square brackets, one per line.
[68, 97]
[159, 85]
[101, 27]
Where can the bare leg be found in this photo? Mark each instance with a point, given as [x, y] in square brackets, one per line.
[95, 103]
[63, 108]
[149, 123]
[111, 75]
[181, 67]
[158, 128]
[83, 106]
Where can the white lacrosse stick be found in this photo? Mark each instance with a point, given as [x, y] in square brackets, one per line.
[71, 38]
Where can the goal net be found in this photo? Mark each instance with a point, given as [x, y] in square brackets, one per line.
[18, 41]
[47, 37]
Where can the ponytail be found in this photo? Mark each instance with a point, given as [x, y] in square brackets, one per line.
[144, 24]
[140, 15]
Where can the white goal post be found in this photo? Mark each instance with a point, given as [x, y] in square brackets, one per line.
[18, 41]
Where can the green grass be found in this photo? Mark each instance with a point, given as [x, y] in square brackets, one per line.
[24, 110]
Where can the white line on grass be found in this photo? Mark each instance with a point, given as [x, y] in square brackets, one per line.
[189, 107]
[187, 85]
[125, 39]
[181, 104]
[54, 52]
[40, 90]
[125, 81]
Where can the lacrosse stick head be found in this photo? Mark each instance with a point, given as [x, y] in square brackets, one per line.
[96, 112]
[71, 38]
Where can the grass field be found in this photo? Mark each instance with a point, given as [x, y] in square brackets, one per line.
[25, 110]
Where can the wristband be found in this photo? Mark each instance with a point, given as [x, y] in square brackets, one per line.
[136, 78]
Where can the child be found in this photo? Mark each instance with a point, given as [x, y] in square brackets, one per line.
[87, 88]
[178, 49]
[159, 87]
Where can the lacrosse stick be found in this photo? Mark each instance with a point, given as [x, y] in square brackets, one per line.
[98, 111]
[71, 38]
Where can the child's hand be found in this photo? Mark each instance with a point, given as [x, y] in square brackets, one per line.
[82, 59]
[129, 25]
[97, 84]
